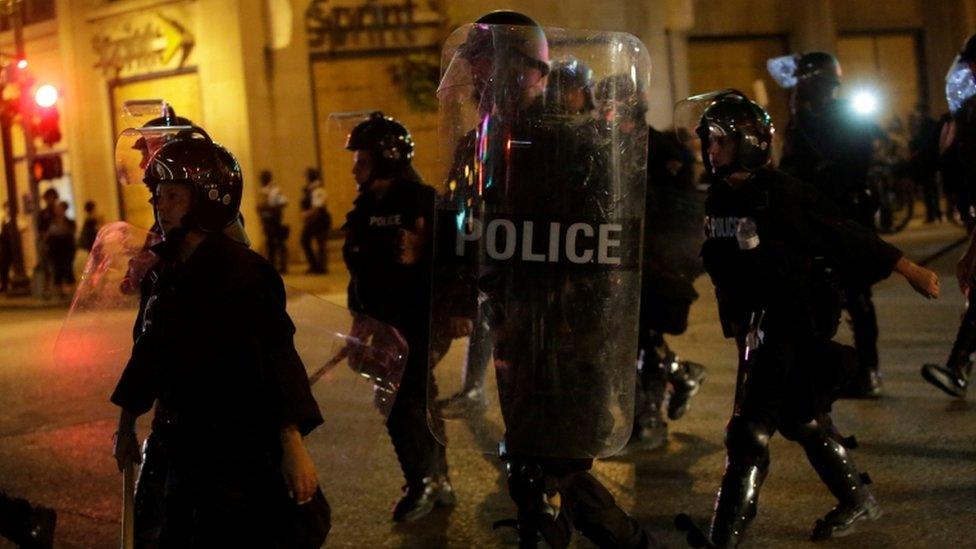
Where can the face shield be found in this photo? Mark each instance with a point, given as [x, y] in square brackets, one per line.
[960, 84]
[783, 70]
[494, 67]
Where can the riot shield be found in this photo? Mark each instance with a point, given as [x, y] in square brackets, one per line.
[537, 244]
[354, 363]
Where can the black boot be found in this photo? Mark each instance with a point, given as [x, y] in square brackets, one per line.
[686, 379]
[953, 378]
[838, 472]
[420, 498]
[28, 526]
[736, 504]
[650, 431]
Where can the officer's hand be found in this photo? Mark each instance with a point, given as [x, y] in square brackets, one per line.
[459, 326]
[411, 243]
[126, 449]
[297, 467]
[138, 266]
[922, 280]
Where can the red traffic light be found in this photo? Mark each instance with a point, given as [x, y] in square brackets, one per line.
[46, 96]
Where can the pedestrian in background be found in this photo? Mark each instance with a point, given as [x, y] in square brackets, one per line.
[60, 246]
[271, 210]
[8, 230]
[317, 225]
[89, 228]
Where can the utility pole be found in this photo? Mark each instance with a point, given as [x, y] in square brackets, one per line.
[19, 283]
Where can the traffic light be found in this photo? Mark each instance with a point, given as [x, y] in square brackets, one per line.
[47, 167]
[47, 122]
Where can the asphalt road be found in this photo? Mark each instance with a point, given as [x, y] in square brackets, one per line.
[918, 445]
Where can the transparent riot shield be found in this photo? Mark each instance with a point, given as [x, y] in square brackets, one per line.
[354, 363]
[537, 244]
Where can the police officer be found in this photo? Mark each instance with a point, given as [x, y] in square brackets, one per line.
[763, 230]
[528, 162]
[672, 229]
[959, 141]
[569, 88]
[387, 252]
[828, 147]
[215, 355]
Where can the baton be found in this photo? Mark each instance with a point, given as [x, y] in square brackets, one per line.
[944, 250]
[128, 506]
[339, 357]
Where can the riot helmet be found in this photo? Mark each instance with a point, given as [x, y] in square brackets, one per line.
[729, 114]
[817, 76]
[620, 98]
[212, 173]
[497, 59]
[569, 87]
[387, 140]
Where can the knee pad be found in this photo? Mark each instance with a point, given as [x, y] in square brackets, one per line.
[747, 439]
[802, 431]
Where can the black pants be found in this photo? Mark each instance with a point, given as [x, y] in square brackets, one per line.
[236, 501]
[930, 190]
[660, 315]
[419, 452]
[788, 385]
[864, 322]
[61, 255]
[6, 261]
[315, 234]
[15, 515]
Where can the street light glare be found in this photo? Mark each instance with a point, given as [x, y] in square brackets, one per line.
[865, 102]
[22, 64]
[46, 95]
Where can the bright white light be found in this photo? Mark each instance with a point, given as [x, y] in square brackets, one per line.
[22, 64]
[46, 95]
[865, 102]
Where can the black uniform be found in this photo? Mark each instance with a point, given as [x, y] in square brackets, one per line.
[832, 151]
[216, 355]
[672, 239]
[762, 242]
[397, 294]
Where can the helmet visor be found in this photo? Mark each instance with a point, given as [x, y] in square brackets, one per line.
[783, 70]
[960, 84]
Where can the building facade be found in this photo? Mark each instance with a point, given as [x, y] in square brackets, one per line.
[269, 79]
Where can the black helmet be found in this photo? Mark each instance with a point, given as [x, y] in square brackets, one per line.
[387, 139]
[569, 75]
[212, 173]
[623, 94]
[732, 114]
[968, 51]
[482, 42]
[817, 75]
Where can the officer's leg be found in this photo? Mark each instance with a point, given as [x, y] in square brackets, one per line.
[953, 378]
[150, 489]
[650, 430]
[307, 237]
[422, 457]
[684, 376]
[595, 513]
[472, 397]
[24, 524]
[864, 322]
[323, 252]
[746, 465]
[837, 470]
